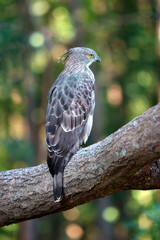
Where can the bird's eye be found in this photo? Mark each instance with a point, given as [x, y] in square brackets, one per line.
[90, 55]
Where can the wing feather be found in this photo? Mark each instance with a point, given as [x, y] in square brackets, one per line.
[69, 107]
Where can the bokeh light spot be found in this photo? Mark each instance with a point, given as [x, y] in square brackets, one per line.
[114, 94]
[36, 39]
[74, 231]
[144, 79]
[144, 222]
[71, 214]
[111, 214]
[17, 123]
[39, 8]
[62, 26]
[16, 97]
[143, 197]
[57, 51]
[39, 61]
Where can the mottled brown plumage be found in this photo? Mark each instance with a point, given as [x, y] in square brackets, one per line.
[71, 103]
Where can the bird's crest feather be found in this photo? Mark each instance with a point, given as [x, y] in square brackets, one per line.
[64, 57]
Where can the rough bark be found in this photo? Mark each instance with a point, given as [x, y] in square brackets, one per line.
[127, 159]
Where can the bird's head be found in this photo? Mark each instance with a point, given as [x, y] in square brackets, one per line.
[82, 55]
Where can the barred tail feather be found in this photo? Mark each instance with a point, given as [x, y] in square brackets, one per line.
[56, 168]
[58, 186]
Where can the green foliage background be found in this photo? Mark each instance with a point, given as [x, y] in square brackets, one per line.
[33, 34]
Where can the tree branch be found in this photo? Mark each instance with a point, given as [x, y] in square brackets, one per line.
[127, 159]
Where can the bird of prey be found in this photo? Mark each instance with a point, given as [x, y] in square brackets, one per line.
[71, 102]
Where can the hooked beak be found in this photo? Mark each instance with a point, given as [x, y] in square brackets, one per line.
[98, 59]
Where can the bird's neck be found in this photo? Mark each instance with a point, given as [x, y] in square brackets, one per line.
[76, 67]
